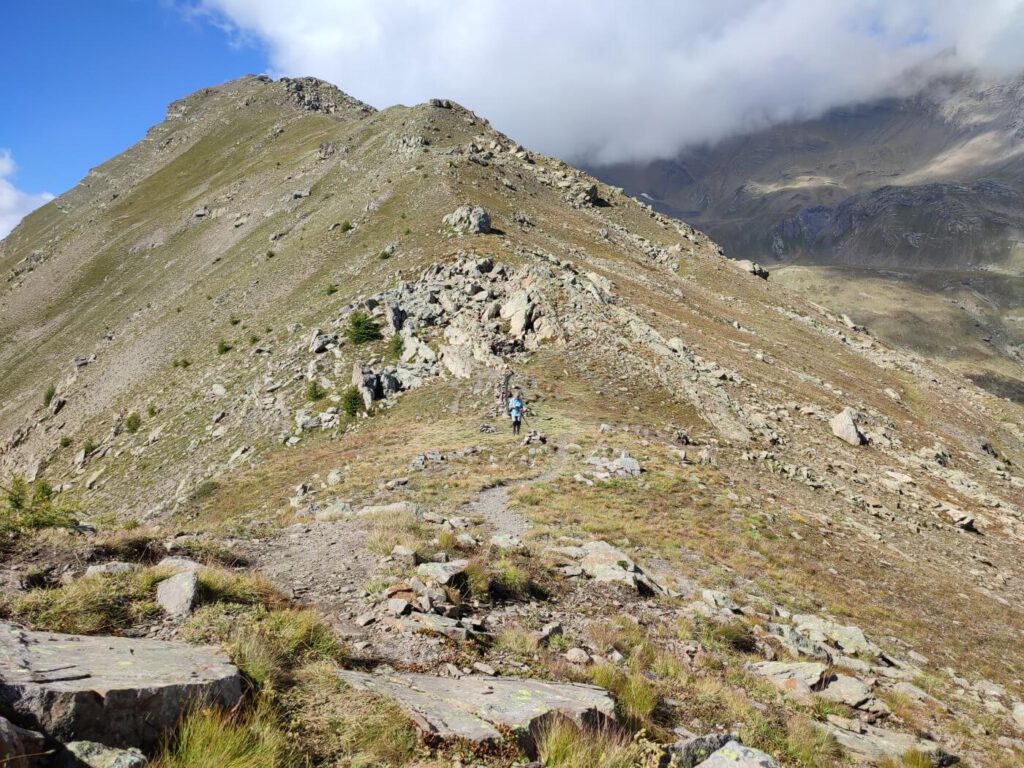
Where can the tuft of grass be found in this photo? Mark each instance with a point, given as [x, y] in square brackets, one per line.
[210, 738]
[332, 288]
[516, 640]
[563, 744]
[98, 604]
[636, 697]
[338, 725]
[49, 394]
[234, 320]
[65, 442]
[151, 410]
[132, 423]
[362, 328]
[89, 446]
[223, 347]
[810, 746]
[346, 226]
[315, 392]
[387, 529]
[395, 346]
[182, 363]
[204, 490]
[732, 635]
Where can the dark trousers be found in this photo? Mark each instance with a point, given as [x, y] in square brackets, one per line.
[515, 425]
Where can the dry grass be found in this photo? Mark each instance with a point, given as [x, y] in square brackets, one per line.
[562, 744]
[516, 640]
[389, 528]
[209, 738]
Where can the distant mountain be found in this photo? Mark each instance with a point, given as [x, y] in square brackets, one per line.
[914, 205]
[932, 181]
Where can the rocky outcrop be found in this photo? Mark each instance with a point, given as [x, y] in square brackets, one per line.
[844, 426]
[115, 690]
[481, 709]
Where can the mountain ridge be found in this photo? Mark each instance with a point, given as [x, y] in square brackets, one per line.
[283, 337]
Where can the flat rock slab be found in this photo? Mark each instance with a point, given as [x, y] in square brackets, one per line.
[119, 691]
[735, 755]
[479, 708]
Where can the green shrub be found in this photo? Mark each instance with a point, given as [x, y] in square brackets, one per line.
[182, 363]
[351, 401]
[223, 347]
[49, 394]
[332, 288]
[315, 392]
[65, 442]
[346, 226]
[31, 506]
[395, 347]
[151, 410]
[384, 255]
[204, 490]
[132, 423]
[89, 446]
[362, 328]
[234, 320]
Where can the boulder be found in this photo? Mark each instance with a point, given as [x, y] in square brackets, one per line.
[753, 268]
[480, 708]
[691, 752]
[844, 426]
[123, 692]
[178, 594]
[472, 219]
[735, 755]
[96, 755]
[848, 638]
[19, 747]
[443, 573]
[796, 678]
[178, 564]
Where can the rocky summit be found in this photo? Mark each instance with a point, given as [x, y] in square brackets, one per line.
[262, 499]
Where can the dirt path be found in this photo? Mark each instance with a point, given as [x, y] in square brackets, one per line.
[492, 505]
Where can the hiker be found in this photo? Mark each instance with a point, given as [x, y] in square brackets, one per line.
[515, 411]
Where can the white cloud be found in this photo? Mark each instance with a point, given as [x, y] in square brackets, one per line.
[626, 79]
[14, 204]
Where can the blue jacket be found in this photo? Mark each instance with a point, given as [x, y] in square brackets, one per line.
[515, 408]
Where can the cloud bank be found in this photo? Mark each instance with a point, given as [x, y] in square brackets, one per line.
[14, 204]
[609, 80]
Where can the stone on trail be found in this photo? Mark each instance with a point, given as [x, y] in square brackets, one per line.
[735, 755]
[442, 573]
[178, 594]
[116, 690]
[844, 426]
[19, 746]
[479, 709]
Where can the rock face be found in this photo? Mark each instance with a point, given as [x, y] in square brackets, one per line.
[844, 426]
[119, 691]
[18, 745]
[478, 708]
[97, 755]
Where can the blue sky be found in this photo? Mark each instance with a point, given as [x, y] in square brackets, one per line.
[84, 79]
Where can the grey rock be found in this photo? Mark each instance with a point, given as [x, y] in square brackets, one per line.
[178, 594]
[96, 755]
[478, 708]
[179, 564]
[443, 573]
[472, 219]
[735, 755]
[753, 268]
[844, 426]
[688, 753]
[1018, 714]
[577, 656]
[19, 747]
[116, 690]
[112, 568]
